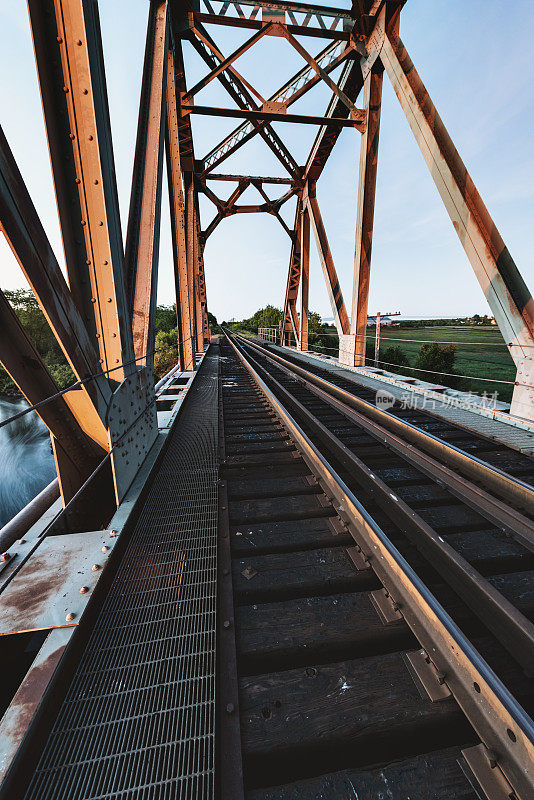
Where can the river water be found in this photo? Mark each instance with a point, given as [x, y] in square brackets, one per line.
[26, 460]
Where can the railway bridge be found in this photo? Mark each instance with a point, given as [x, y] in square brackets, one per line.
[266, 575]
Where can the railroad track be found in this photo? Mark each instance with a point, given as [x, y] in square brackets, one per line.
[383, 597]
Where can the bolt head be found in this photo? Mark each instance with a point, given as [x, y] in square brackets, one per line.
[70, 616]
[105, 548]
[230, 708]
[226, 623]
[95, 567]
[84, 590]
[5, 556]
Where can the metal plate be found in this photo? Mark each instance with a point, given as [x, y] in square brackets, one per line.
[22, 708]
[47, 588]
[133, 427]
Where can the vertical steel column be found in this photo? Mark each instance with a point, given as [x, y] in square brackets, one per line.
[84, 132]
[505, 290]
[189, 191]
[335, 295]
[142, 239]
[289, 321]
[365, 213]
[176, 199]
[305, 277]
[197, 258]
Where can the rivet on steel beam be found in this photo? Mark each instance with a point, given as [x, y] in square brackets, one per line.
[79, 42]
[90, 138]
[88, 262]
[105, 263]
[93, 299]
[84, 222]
[59, 39]
[105, 548]
[22, 541]
[96, 183]
[5, 556]
[66, 89]
[70, 616]
[230, 708]
[226, 623]
[84, 590]
[95, 567]
[109, 300]
[72, 136]
[226, 571]
[86, 92]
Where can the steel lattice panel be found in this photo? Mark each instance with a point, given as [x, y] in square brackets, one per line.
[138, 720]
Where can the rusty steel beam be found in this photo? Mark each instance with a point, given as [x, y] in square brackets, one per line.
[358, 121]
[75, 453]
[225, 64]
[351, 83]
[242, 97]
[305, 278]
[67, 33]
[253, 24]
[293, 277]
[309, 9]
[505, 290]
[173, 146]
[26, 236]
[214, 176]
[365, 215]
[198, 266]
[142, 238]
[335, 295]
[190, 227]
[329, 58]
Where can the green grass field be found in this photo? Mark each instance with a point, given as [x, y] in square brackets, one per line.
[481, 353]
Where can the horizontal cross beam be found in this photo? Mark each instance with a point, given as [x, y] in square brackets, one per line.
[253, 24]
[270, 116]
[217, 176]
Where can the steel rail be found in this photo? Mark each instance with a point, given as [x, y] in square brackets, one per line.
[504, 485]
[499, 615]
[488, 506]
[499, 720]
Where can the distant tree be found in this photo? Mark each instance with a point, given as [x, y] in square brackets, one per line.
[434, 359]
[165, 318]
[212, 321]
[268, 317]
[394, 356]
[166, 355]
[36, 326]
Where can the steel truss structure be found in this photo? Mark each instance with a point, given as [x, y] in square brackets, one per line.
[104, 316]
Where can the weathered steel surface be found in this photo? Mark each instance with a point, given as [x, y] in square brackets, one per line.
[505, 290]
[174, 148]
[27, 238]
[46, 592]
[100, 279]
[365, 214]
[333, 288]
[25, 703]
[133, 427]
[76, 454]
[142, 238]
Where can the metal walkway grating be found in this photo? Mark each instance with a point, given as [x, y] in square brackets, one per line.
[138, 720]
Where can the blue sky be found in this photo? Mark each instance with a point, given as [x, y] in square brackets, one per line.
[476, 61]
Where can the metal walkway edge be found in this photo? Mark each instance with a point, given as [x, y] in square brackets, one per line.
[138, 720]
